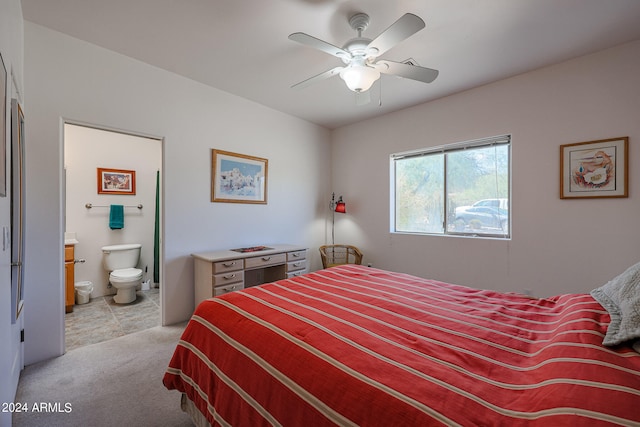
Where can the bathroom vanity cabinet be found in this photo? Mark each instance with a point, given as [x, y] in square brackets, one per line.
[220, 272]
[69, 277]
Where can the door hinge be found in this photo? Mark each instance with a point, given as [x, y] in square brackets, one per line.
[21, 335]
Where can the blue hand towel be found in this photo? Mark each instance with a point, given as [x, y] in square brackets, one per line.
[116, 217]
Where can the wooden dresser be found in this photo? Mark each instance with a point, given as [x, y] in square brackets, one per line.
[220, 272]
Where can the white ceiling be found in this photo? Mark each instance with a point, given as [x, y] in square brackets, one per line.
[241, 46]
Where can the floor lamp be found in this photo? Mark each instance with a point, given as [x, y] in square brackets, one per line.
[336, 206]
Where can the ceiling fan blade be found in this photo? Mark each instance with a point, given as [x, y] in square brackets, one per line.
[413, 72]
[403, 28]
[322, 45]
[317, 78]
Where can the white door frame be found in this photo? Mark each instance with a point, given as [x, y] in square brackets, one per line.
[161, 140]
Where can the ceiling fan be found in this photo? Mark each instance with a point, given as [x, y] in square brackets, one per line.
[360, 54]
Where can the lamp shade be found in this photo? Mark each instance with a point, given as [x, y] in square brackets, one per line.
[341, 207]
[359, 78]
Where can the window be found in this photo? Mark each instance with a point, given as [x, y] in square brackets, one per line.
[458, 189]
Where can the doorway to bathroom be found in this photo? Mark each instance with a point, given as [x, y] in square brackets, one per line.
[112, 197]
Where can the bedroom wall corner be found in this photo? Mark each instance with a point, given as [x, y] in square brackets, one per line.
[74, 80]
[557, 246]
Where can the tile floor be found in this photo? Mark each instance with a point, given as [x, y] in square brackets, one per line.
[101, 319]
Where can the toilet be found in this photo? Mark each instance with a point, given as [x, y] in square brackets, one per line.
[120, 261]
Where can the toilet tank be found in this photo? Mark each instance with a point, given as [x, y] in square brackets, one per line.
[117, 257]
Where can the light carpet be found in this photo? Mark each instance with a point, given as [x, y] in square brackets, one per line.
[112, 383]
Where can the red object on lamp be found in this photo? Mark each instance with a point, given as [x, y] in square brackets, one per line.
[341, 207]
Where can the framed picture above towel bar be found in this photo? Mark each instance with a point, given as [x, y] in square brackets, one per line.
[116, 181]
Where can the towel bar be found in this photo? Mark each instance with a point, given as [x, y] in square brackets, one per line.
[89, 206]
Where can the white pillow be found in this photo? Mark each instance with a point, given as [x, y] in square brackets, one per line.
[621, 298]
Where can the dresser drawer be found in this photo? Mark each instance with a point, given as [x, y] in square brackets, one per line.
[296, 265]
[223, 279]
[221, 290]
[291, 274]
[263, 261]
[230, 265]
[293, 256]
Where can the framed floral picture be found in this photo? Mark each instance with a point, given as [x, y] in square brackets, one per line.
[238, 178]
[595, 169]
[116, 181]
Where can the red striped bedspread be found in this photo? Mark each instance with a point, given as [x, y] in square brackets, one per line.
[355, 345]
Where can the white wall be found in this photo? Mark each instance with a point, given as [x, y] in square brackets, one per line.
[71, 79]
[85, 150]
[11, 48]
[558, 245]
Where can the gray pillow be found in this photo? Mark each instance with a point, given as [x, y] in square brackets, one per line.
[621, 298]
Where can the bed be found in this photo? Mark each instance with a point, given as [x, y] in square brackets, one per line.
[354, 345]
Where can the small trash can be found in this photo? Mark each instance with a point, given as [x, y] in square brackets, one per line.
[83, 292]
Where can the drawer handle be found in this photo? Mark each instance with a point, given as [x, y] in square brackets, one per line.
[230, 289]
[230, 276]
[229, 264]
[295, 255]
[266, 258]
[297, 264]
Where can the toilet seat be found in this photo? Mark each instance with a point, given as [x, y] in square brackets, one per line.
[125, 275]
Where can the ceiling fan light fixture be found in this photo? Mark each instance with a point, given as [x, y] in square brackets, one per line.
[359, 78]
[360, 55]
